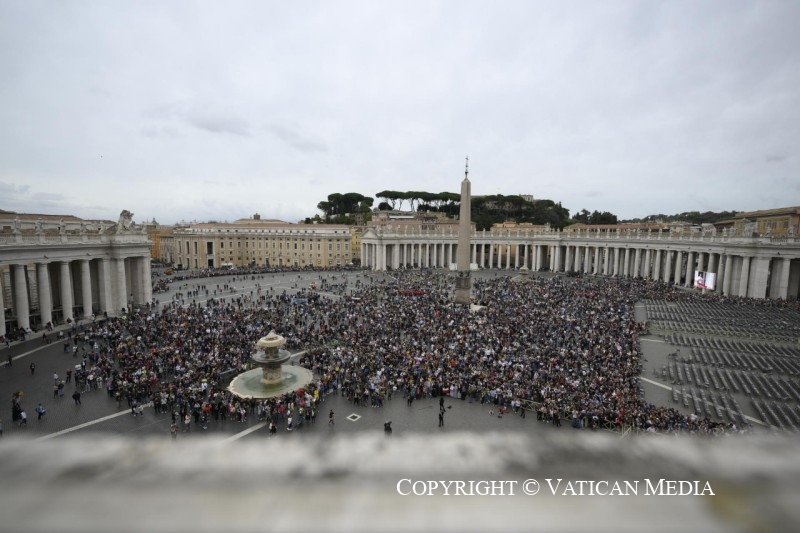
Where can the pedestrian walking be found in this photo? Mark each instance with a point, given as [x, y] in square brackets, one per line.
[330, 418]
[441, 419]
[33, 368]
[77, 397]
[40, 411]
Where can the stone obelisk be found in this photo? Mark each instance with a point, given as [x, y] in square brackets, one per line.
[463, 281]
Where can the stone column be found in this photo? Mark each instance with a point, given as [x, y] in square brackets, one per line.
[104, 286]
[728, 275]
[783, 280]
[616, 262]
[744, 278]
[721, 274]
[148, 282]
[701, 262]
[596, 254]
[491, 255]
[525, 258]
[121, 285]
[3, 307]
[626, 267]
[45, 294]
[657, 266]
[637, 262]
[759, 288]
[689, 270]
[606, 261]
[678, 265]
[712, 262]
[86, 288]
[21, 305]
[587, 260]
[667, 266]
[568, 262]
[66, 291]
[646, 270]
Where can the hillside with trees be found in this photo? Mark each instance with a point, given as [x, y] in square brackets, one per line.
[692, 217]
[348, 208]
[595, 217]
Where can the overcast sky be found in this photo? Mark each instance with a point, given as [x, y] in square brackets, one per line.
[219, 110]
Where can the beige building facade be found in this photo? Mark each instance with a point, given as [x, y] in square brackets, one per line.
[258, 242]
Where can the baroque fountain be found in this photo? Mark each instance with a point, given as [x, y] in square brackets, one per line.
[271, 377]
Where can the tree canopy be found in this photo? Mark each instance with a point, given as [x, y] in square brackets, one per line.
[595, 217]
[343, 208]
[693, 217]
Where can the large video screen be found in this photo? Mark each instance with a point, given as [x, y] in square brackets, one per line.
[705, 280]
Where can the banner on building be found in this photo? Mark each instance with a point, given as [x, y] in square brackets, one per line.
[704, 280]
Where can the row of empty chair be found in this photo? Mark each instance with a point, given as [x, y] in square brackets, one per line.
[777, 414]
[722, 409]
[778, 350]
[715, 318]
[725, 379]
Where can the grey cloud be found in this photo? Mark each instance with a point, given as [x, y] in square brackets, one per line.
[194, 115]
[296, 140]
[47, 197]
[155, 132]
[220, 124]
[775, 158]
[11, 190]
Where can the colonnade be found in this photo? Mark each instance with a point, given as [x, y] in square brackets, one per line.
[758, 267]
[45, 291]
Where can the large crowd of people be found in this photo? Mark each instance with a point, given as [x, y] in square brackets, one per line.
[566, 348]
